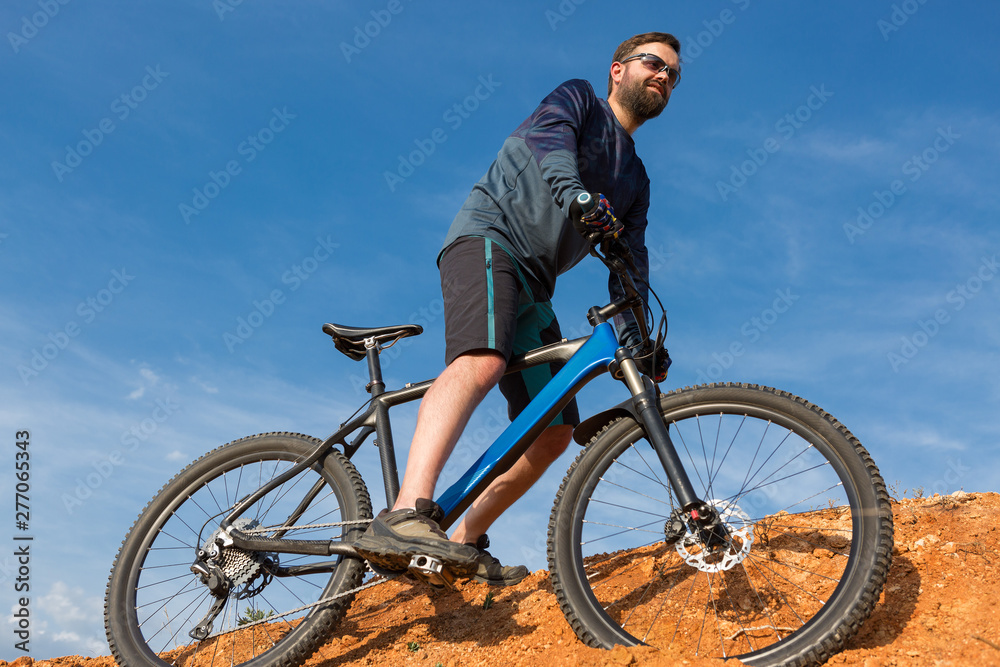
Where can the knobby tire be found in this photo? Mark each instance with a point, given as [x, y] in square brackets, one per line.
[807, 514]
[153, 599]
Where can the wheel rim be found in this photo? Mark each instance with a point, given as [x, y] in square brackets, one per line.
[789, 554]
[166, 600]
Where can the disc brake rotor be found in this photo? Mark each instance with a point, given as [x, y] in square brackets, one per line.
[726, 556]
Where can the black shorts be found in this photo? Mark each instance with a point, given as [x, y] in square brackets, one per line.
[488, 305]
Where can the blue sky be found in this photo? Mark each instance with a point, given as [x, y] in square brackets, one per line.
[190, 189]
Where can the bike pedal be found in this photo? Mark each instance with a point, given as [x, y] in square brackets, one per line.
[432, 571]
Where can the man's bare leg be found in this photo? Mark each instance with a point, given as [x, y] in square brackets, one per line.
[513, 484]
[443, 415]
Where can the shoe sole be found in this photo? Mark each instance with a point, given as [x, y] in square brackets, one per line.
[381, 551]
[500, 582]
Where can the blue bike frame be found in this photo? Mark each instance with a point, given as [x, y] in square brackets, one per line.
[590, 361]
[584, 359]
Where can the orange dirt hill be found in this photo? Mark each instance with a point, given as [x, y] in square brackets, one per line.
[939, 607]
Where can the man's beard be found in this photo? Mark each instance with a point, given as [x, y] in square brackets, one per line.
[642, 102]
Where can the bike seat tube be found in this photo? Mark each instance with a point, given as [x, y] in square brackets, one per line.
[383, 432]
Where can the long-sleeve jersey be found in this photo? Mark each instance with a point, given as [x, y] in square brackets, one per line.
[572, 143]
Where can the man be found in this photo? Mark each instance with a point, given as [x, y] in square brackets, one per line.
[511, 239]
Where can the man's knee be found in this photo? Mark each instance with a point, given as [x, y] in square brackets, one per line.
[485, 366]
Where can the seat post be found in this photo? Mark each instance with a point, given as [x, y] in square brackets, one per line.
[383, 432]
[372, 350]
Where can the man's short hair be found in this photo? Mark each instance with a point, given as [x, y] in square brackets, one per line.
[631, 44]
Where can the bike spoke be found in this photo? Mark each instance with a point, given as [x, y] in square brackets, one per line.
[788, 537]
[259, 610]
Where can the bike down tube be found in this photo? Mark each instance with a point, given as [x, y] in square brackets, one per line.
[591, 360]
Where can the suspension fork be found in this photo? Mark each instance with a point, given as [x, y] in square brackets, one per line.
[646, 407]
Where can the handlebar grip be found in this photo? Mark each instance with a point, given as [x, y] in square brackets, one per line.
[583, 204]
[586, 201]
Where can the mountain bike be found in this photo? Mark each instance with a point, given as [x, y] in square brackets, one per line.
[727, 520]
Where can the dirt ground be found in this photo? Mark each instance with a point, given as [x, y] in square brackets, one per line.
[939, 607]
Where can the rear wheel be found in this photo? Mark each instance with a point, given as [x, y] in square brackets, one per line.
[246, 610]
[807, 545]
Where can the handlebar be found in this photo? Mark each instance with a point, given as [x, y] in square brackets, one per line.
[617, 256]
[583, 204]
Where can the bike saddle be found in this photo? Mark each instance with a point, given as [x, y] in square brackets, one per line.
[351, 340]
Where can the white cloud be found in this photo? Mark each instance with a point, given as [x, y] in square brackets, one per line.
[69, 604]
[205, 386]
[149, 379]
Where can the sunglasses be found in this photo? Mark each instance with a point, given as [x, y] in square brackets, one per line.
[655, 64]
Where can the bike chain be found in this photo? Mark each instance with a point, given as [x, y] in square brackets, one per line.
[253, 531]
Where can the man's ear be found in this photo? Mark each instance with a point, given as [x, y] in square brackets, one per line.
[617, 72]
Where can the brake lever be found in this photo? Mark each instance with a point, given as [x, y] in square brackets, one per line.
[619, 255]
[610, 247]
[621, 249]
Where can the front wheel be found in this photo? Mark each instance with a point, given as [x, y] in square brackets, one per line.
[808, 532]
[249, 609]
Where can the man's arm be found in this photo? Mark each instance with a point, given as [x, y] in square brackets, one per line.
[552, 134]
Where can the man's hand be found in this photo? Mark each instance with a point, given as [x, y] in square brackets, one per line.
[601, 218]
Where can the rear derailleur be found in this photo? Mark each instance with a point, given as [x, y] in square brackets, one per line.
[224, 569]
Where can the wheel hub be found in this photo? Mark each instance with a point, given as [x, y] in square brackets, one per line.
[240, 568]
[697, 551]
